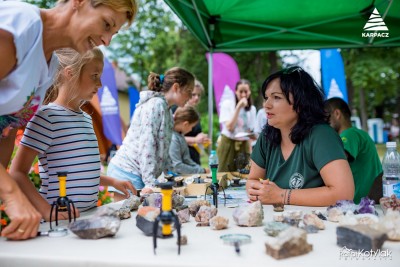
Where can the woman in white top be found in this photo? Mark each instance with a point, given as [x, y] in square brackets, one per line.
[28, 38]
[237, 118]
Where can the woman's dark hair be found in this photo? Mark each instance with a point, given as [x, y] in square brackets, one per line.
[249, 101]
[308, 102]
[162, 83]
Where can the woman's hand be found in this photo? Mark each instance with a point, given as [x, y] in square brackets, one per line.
[242, 103]
[265, 191]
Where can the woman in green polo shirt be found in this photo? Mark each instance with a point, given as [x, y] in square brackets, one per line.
[298, 158]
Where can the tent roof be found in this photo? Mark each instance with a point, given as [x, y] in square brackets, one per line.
[260, 25]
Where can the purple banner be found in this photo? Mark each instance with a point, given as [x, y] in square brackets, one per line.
[225, 75]
[108, 98]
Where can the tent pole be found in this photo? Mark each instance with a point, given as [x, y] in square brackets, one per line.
[210, 98]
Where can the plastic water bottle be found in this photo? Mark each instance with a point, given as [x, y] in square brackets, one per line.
[213, 163]
[391, 171]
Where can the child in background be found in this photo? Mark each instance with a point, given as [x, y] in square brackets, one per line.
[62, 136]
[143, 155]
[185, 119]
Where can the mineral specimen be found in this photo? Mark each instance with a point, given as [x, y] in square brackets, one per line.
[205, 213]
[390, 223]
[312, 219]
[145, 219]
[183, 214]
[219, 223]
[360, 237]
[289, 243]
[278, 207]
[130, 204]
[274, 228]
[366, 206]
[183, 240]
[249, 214]
[194, 206]
[390, 203]
[105, 222]
[335, 215]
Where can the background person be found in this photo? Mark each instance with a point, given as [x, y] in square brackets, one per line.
[74, 150]
[144, 153]
[184, 120]
[237, 118]
[28, 38]
[196, 138]
[299, 157]
[360, 150]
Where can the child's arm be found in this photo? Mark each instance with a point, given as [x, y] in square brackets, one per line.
[121, 185]
[19, 170]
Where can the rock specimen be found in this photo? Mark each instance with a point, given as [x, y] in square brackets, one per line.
[321, 214]
[145, 220]
[219, 223]
[366, 206]
[183, 214]
[194, 206]
[152, 200]
[335, 215]
[344, 206]
[274, 228]
[291, 217]
[360, 237]
[205, 213]
[390, 203]
[130, 204]
[249, 214]
[390, 223]
[183, 240]
[177, 200]
[312, 219]
[105, 222]
[289, 243]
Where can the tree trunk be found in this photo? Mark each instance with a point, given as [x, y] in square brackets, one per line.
[273, 62]
[363, 110]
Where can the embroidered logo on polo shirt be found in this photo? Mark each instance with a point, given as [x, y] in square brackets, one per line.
[296, 181]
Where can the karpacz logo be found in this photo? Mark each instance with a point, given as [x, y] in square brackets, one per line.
[375, 23]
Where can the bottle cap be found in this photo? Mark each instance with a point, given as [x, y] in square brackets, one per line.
[213, 152]
[391, 144]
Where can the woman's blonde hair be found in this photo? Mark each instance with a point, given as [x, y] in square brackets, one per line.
[70, 58]
[128, 6]
[186, 113]
[162, 83]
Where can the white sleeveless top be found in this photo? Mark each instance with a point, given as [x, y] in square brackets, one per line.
[23, 90]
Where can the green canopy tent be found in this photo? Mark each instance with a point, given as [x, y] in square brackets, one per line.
[262, 25]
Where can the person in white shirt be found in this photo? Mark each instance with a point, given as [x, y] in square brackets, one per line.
[28, 38]
[237, 118]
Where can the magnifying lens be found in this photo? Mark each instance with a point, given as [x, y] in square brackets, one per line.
[236, 240]
[57, 232]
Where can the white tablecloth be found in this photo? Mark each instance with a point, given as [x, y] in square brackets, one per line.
[131, 248]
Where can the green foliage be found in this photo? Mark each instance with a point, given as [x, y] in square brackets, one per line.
[375, 71]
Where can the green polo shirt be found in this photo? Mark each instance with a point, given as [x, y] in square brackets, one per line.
[363, 159]
[301, 169]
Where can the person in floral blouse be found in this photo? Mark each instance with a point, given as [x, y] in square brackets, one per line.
[143, 155]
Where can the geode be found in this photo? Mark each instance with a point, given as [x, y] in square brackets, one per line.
[249, 214]
[289, 243]
[360, 237]
[105, 222]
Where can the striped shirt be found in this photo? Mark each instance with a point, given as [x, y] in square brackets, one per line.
[65, 142]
